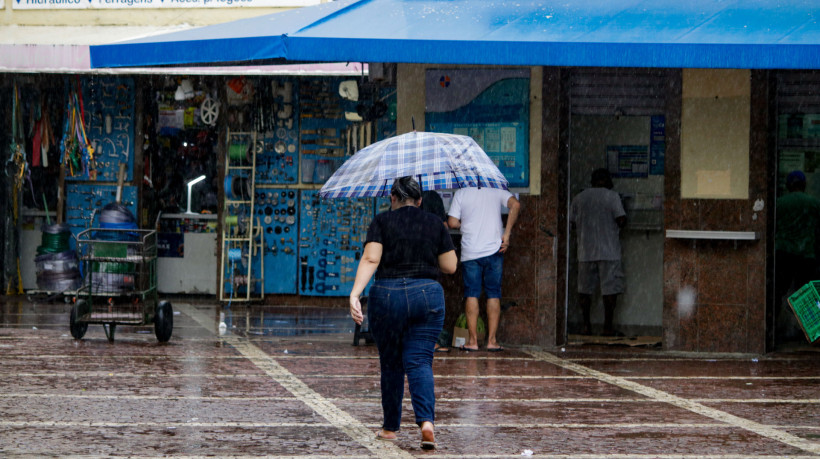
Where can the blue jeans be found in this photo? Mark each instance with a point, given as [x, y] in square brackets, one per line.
[405, 318]
[483, 272]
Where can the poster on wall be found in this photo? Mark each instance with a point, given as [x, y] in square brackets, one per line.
[152, 4]
[489, 105]
[657, 145]
[628, 161]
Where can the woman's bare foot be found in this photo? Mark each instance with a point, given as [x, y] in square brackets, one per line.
[388, 435]
[428, 436]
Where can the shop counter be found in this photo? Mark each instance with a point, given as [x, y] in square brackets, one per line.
[714, 235]
[186, 259]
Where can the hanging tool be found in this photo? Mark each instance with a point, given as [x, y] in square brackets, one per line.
[120, 180]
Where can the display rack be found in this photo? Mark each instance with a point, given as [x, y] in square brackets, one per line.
[331, 240]
[241, 229]
[278, 210]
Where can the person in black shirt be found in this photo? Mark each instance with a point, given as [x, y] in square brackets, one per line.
[406, 248]
[431, 202]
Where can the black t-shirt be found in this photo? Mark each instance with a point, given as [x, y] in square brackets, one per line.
[412, 240]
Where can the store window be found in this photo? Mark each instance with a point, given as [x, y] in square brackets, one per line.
[489, 105]
[798, 185]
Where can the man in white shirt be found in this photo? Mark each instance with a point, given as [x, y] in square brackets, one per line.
[598, 216]
[484, 239]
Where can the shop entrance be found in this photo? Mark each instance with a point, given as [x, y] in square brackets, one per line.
[797, 241]
[617, 123]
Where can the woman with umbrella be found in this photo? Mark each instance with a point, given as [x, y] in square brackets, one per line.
[406, 248]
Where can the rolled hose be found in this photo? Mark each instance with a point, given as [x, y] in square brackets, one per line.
[237, 187]
[116, 213]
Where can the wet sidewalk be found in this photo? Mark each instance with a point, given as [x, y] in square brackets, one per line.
[286, 381]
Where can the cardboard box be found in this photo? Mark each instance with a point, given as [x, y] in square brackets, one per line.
[460, 336]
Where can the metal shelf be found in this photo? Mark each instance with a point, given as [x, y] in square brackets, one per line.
[247, 245]
[190, 216]
[715, 235]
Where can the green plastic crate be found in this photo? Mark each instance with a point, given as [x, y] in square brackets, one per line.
[110, 250]
[806, 306]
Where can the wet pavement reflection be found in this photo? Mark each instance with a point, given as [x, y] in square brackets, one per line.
[263, 381]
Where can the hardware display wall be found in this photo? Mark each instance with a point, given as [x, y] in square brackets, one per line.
[276, 118]
[324, 134]
[83, 200]
[297, 243]
[331, 238]
[277, 212]
[108, 103]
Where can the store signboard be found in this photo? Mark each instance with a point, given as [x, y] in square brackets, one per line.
[489, 105]
[153, 4]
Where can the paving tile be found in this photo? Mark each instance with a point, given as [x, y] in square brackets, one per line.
[298, 388]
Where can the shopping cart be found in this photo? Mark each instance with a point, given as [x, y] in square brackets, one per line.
[119, 283]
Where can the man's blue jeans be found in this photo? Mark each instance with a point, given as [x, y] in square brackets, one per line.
[405, 318]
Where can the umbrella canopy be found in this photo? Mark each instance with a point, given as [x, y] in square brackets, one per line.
[438, 161]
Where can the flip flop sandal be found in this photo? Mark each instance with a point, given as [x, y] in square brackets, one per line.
[495, 349]
[428, 444]
[469, 349]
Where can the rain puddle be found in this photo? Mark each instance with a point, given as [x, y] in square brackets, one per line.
[291, 321]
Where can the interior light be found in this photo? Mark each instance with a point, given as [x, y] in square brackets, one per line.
[190, 186]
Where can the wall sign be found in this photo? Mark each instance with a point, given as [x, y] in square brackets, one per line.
[109, 112]
[657, 145]
[154, 4]
[628, 161]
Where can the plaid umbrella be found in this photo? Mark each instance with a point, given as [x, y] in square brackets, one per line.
[438, 161]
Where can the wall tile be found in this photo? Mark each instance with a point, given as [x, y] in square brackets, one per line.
[722, 328]
[518, 324]
[722, 283]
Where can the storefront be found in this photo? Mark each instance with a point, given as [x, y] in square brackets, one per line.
[182, 142]
[797, 146]
[692, 145]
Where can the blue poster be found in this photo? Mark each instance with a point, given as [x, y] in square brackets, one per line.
[491, 106]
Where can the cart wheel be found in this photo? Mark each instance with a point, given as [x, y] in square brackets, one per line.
[78, 329]
[109, 331]
[164, 321]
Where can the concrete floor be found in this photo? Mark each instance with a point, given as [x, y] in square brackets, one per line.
[288, 382]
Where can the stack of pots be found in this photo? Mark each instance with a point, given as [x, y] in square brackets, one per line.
[56, 264]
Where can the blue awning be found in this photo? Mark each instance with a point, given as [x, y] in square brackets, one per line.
[780, 34]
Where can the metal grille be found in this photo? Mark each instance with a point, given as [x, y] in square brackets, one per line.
[631, 92]
[798, 92]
